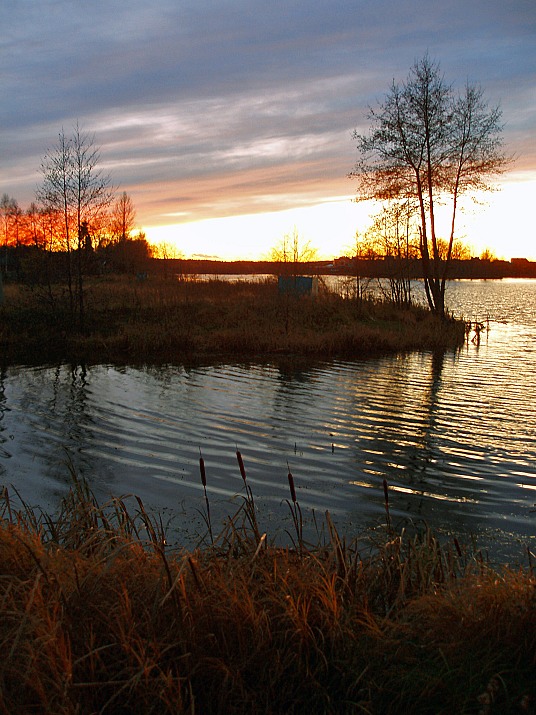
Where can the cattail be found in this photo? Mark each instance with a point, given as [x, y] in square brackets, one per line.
[291, 485]
[386, 498]
[202, 470]
[204, 483]
[241, 465]
[457, 546]
[386, 493]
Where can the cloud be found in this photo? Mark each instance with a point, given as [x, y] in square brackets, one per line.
[208, 108]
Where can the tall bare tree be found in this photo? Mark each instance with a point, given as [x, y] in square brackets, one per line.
[74, 185]
[55, 195]
[429, 146]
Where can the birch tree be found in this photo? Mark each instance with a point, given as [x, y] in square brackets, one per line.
[429, 146]
[74, 185]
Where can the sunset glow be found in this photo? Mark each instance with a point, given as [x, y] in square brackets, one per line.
[500, 222]
[230, 125]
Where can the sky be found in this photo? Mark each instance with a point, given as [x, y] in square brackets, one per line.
[229, 122]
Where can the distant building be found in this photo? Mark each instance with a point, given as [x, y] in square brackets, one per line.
[519, 261]
[298, 285]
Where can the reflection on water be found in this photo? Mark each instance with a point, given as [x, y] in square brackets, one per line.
[453, 434]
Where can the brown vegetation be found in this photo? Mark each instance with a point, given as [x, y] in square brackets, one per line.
[157, 320]
[99, 615]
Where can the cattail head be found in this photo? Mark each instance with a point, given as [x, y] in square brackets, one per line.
[457, 546]
[202, 470]
[291, 485]
[241, 465]
[386, 493]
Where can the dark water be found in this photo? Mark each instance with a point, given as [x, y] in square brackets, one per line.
[454, 434]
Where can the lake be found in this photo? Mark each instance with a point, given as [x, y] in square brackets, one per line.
[453, 434]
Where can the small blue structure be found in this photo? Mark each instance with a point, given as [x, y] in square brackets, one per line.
[297, 285]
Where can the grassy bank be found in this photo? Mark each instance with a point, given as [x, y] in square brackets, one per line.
[99, 615]
[167, 321]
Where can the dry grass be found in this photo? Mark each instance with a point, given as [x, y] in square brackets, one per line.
[100, 615]
[164, 321]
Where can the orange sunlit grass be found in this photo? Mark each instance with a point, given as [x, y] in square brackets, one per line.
[100, 614]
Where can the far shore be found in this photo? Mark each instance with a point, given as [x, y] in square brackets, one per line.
[378, 267]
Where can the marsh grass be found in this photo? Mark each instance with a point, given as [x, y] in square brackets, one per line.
[100, 615]
[161, 321]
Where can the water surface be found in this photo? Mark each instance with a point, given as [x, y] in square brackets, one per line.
[454, 434]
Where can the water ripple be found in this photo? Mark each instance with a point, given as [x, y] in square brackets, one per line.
[454, 435]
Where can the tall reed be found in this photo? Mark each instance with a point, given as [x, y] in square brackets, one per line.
[296, 514]
[207, 504]
[250, 509]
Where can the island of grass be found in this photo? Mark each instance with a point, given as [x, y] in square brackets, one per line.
[151, 319]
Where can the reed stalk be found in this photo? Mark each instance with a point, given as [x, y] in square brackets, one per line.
[207, 504]
[296, 513]
[250, 509]
[386, 504]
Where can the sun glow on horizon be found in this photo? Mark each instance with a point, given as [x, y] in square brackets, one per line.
[503, 224]
[329, 227]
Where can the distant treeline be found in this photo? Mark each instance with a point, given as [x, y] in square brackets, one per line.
[135, 256]
[376, 268]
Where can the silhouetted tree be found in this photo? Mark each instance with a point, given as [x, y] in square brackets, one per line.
[169, 256]
[10, 213]
[393, 236]
[132, 255]
[74, 185]
[488, 255]
[362, 249]
[429, 146]
[291, 251]
[123, 218]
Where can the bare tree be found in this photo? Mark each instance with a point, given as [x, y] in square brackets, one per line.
[170, 257]
[10, 213]
[121, 223]
[290, 253]
[291, 250]
[429, 146]
[360, 250]
[55, 195]
[488, 255]
[74, 185]
[123, 218]
[33, 230]
[393, 236]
